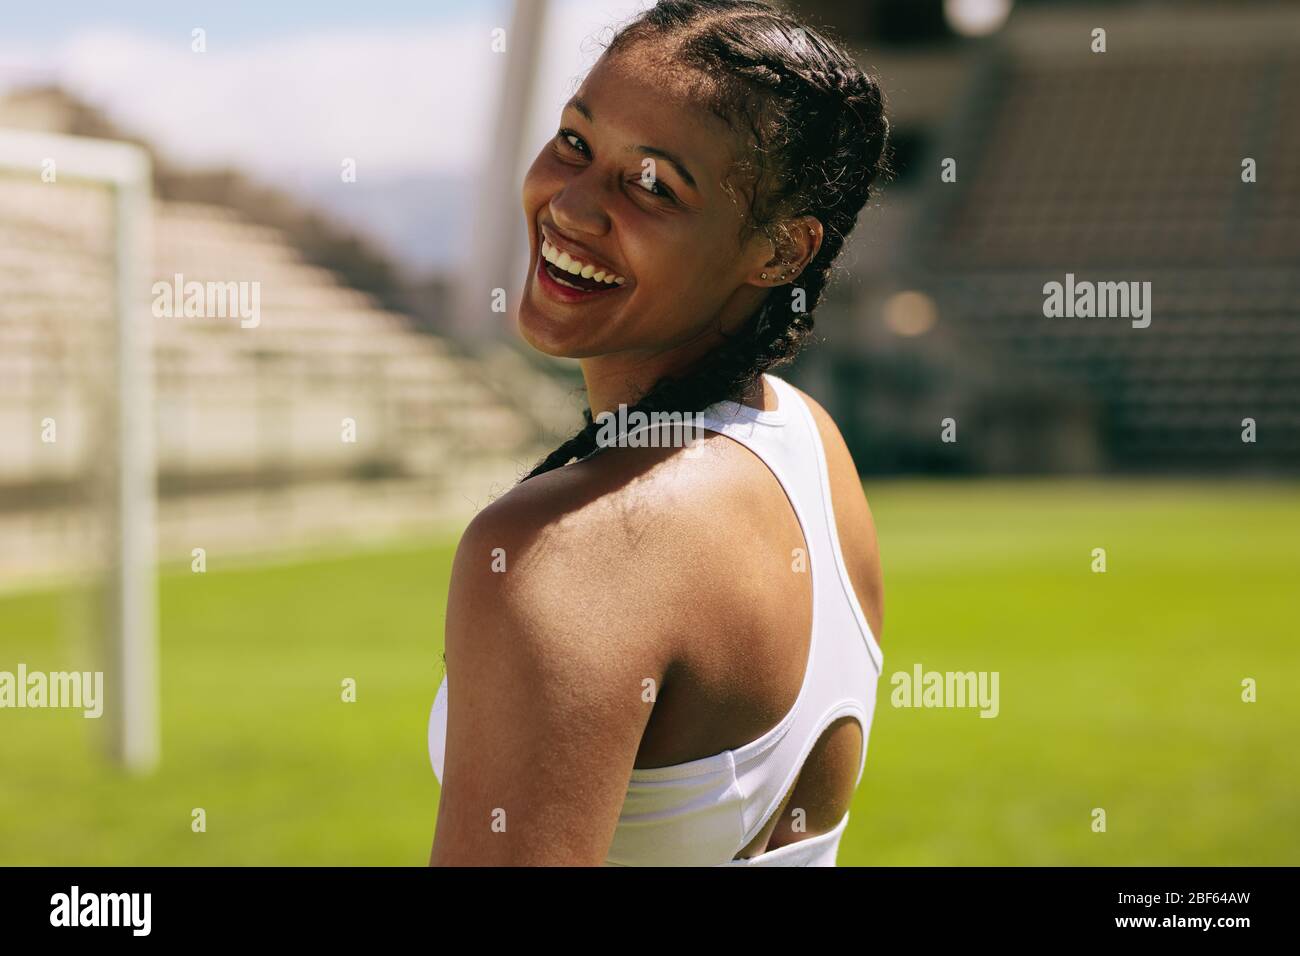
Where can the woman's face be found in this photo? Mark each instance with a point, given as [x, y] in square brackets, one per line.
[635, 183]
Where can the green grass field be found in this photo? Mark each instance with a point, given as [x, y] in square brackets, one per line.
[1119, 690]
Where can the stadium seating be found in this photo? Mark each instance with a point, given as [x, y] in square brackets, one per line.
[1122, 166]
[249, 421]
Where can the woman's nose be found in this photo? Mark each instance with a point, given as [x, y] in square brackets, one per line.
[579, 207]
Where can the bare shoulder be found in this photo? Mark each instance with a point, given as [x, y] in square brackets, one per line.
[607, 554]
[568, 593]
[534, 569]
[561, 595]
[857, 528]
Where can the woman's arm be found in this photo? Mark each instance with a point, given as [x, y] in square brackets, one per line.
[545, 698]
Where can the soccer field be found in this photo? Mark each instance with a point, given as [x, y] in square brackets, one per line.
[1119, 690]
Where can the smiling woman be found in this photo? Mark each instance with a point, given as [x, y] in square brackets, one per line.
[667, 653]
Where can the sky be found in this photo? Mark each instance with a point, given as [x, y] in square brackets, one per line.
[238, 20]
[287, 91]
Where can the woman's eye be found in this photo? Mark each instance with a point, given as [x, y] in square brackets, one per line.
[654, 184]
[568, 139]
[573, 141]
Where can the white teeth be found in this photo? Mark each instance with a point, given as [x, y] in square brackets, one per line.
[562, 260]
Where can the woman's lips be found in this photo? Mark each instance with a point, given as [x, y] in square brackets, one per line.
[578, 253]
[564, 293]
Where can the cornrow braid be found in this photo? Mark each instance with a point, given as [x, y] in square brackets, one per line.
[819, 133]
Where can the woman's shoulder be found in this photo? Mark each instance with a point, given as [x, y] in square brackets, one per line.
[635, 537]
[610, 508]
[853, 518]
[837, 451]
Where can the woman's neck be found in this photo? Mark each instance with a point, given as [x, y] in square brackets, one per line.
[624, 377]
[620, 379]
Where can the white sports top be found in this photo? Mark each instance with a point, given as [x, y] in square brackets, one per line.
[705, 811]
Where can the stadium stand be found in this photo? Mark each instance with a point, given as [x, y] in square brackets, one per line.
[1122, 166]
[250, 443]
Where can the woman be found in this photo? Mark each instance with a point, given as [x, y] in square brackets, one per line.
[666, 655]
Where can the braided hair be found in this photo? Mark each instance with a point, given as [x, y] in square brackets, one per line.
[818, 130]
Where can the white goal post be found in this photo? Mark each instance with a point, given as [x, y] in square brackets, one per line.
[130, 633]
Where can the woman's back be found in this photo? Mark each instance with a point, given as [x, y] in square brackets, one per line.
[754, 733]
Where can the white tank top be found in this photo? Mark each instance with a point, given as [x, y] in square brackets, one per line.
[703, 812]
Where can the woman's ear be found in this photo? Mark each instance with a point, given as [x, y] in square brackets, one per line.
[798, 241]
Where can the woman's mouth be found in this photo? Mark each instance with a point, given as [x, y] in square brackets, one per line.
[572, 280]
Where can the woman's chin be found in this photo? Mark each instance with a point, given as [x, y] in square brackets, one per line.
[551, 335]
[536, 330]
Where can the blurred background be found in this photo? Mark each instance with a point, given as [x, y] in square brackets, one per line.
[181, 505]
